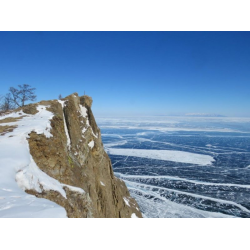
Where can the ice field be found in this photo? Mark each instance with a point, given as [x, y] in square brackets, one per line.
[182, 166]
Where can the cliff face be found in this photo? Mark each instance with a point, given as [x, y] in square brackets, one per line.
[74, 155]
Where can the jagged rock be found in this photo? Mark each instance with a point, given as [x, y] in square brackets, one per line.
[75, 156]
[86, 101]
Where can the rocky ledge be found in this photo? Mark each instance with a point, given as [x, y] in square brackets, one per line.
[73, 156]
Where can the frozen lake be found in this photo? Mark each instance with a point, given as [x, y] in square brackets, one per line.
[182, 166]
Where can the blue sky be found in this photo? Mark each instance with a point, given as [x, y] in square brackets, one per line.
[133, 73]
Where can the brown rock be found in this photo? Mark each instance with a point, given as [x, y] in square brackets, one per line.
[86, 101]
[80, 164]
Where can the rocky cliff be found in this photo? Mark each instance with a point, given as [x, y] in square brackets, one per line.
[70, 152]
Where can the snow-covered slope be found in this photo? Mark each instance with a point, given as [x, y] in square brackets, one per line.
[18, 171]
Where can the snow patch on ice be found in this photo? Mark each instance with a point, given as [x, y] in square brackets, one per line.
[6, 189]
[166, 155]
[168, 177]
[118, 143]
[160, 206]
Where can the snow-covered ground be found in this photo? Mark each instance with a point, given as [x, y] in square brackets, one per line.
[19, 172]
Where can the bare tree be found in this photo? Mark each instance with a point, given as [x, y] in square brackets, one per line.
[1, 97]
[6, 103]
[22, 94]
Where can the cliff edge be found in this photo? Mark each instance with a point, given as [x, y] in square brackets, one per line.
[53, 150]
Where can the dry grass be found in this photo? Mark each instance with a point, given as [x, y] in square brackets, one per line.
[11, 119]
[6, 129]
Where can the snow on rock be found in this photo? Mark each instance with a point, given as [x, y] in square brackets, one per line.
[32, 178]
[133, 215]
[91, 144]
[83, 111]
[84, 130]
[126, 201]
[96, 136]
[75, 189]
[18, 171]
[84, 114]
[102, 183]
[65, 125]
[166, 155]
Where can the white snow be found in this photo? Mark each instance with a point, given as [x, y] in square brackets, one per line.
[96, 136]
[65, 125]
[83, 111]
[74, 189]
[91, 144]
[84, 114]
[13, 115]
[84, 130]
[18, 171]
[31, 177]
[133, 215]
[126, 201]
[166, 155]
[102, 183]
[160, 206]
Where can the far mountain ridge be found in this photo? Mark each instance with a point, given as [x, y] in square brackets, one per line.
[204, 115]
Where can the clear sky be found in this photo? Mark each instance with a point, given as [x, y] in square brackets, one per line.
[133, 73]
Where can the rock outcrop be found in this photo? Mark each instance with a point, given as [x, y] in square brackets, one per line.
[74, 155]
